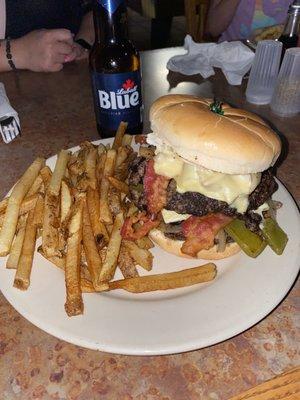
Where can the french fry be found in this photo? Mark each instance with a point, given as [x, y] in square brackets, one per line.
[59, 172]
[94, 262]
[114, 201]
[170, 280]
[90, 167]
[125, 157]
[22, 276]
[39, 211]
[142, 257]
[75, 164]
[147, 152]
[127, 139]
[65, 202]
[101, 149]
[100, 167]
[105, 214]
[145, 243]
[50, 235]
[99, 229]
[119, 135]
[122, 155]
[46, 175]
[126, 264]
[74, 302]
[56, 260]
[27, 204]
[14, 255]
[84, 271]
[12, 211]
[3, 204]
[35, 186]
[86, 285]
[112, 253]
[119, 185]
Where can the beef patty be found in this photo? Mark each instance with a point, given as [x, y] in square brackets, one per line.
[196, 203]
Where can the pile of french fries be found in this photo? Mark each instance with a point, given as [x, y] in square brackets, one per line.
[78, 211]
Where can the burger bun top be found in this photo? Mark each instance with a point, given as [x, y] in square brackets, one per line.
[237, 142]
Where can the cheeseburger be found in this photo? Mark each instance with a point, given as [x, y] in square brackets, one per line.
[204, 186]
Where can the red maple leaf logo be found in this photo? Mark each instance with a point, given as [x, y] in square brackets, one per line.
[129, 84]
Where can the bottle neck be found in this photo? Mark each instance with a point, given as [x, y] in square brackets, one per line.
[291, 27]
[110, 20]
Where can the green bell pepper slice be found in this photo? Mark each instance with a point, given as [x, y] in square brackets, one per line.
[274, 235]
[251, 243]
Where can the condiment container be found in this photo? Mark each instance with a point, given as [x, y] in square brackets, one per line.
[264, 72]
[286, 97]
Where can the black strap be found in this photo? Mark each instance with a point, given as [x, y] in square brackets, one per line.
[9, 55]
[83, 43]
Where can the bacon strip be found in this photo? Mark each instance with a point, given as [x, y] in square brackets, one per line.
[146, 224]
[140, 139]
[155, 189]
[201, 231]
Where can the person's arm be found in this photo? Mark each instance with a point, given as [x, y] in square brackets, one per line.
[87, 33]
[220, 15]
[41, 51]
[86, 30]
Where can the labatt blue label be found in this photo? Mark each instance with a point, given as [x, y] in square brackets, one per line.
[110, 5]
[118, 98]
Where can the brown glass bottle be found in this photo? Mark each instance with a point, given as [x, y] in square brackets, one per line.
[115, 71]
[290, 34]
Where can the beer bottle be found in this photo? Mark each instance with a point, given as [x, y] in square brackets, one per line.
[115, 71]
[290, 34]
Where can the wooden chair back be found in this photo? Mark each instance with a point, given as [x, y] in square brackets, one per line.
[195, 13]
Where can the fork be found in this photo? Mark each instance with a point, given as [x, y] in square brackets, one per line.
[9, 129]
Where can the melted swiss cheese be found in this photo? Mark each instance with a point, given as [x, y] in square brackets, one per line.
[234, 189]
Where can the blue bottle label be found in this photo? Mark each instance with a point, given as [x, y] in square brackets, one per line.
[110, 5]
[117, 98]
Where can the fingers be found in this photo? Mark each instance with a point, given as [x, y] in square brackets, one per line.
[70, 57]
[81, 53]
[63, 52]
[57, 58]
[63, 48]
[56, 67]
[61, 35]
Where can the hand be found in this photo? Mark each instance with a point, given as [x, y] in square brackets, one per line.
[44, 50]
[80, 52]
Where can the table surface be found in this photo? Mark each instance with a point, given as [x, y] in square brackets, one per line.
[56, 112]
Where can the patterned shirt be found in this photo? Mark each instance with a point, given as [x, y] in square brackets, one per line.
[254, 14]
[24, 16]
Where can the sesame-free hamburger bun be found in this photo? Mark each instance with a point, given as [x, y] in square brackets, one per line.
[237, 142]
[174, 247]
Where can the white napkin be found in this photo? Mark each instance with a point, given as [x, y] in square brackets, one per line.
[234, 58]
[6, 109]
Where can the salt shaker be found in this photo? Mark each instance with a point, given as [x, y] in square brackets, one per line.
[264, 72]
[286, 97]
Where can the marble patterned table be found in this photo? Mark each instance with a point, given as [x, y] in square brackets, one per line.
[56, 111]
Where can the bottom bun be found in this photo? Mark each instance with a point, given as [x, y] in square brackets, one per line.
[174, 247]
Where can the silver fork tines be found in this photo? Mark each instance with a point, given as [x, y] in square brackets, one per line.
[9, 129]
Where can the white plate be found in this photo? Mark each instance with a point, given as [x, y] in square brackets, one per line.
[244, 292]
